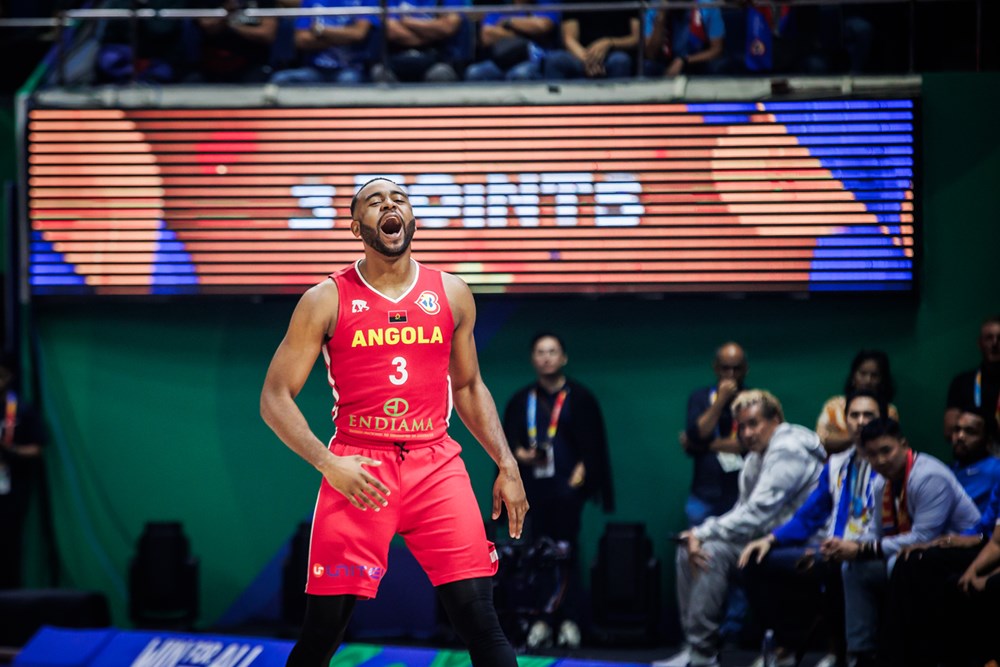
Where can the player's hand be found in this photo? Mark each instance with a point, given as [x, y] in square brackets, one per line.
[349, 476]
[509, 490]
[755, 550]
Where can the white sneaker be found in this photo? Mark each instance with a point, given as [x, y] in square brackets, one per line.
[702, 660]
[569, 635]
[828, 660]
[783, 661]
[679, 659]
[540, 635]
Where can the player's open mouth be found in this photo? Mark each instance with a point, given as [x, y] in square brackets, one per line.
[392, 226]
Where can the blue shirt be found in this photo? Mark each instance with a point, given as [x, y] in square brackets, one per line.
[711, 483]
[456, 47]
[991, 514]
[809, 518]
[417, 4]
[337, 57]
[937, 505]
[979, 479]
[547, 41]
[685, 43]
[816, 511]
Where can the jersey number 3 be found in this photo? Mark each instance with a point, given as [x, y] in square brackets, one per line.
[401, 374]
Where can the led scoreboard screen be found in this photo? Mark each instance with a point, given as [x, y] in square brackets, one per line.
[744, 196]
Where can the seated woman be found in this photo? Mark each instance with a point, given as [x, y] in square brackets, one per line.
[869, 372]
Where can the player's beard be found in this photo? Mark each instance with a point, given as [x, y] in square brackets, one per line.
[372, 239]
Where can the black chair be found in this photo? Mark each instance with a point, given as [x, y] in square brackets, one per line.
[625, 586]
[163, 579]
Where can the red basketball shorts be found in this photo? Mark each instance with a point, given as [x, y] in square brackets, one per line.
[431, 504]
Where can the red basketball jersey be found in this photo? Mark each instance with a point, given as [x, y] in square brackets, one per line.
[388, 360]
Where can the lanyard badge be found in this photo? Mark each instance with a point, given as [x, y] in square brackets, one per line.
[545, 466]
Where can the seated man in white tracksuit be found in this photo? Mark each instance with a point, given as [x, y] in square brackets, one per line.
[780, 471]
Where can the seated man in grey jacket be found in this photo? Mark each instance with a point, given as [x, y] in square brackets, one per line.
[780, 471]
[917, 498]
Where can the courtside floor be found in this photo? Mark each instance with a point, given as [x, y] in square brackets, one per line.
[111, 647]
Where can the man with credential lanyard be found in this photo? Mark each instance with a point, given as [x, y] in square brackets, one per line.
[710, 440]
[555, 428]
[980, 386]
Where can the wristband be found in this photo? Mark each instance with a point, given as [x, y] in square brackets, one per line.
[870, 550]
[684, 62]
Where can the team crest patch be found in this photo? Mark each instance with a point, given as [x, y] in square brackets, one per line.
[429, 302]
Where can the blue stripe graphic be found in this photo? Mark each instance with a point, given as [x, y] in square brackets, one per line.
[173, 270]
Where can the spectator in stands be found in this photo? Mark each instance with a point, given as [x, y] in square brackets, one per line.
[977, 470]
[931, 619]
[979, 387]
[788, 586]
[781, 470]
[845, 37]
[235, 48]
[692, 47]
[161, 46]
[710, 437]
[421, 45]
[869, 372]
[782, 38]
[597, 44]
[516, 44]
[335, 47]
[710, 440]
[918, 499]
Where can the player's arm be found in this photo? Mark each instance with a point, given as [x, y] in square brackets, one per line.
[312, 320]
[476, 407]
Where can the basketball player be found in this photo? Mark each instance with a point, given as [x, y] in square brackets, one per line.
[398, 344]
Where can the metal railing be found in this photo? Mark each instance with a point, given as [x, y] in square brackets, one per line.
[64, 22]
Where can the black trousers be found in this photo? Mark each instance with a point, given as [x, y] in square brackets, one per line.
[930, 621]
[792, 591]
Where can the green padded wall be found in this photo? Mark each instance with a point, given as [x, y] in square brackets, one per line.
[153, 405]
